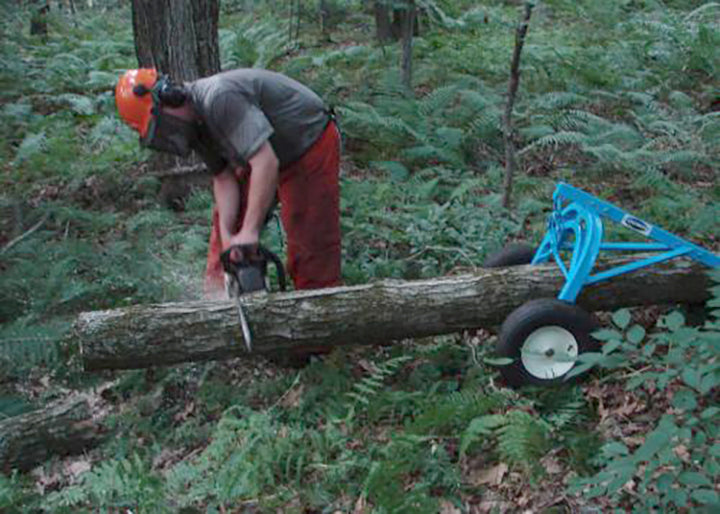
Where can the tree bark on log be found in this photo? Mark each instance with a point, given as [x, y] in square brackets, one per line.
[162, 334]
[63, 428]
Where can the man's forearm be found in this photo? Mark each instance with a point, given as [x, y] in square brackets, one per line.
[226, 190]
[263, 184]
[264, 171]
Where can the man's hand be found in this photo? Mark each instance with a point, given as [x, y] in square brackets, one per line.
[244, 237]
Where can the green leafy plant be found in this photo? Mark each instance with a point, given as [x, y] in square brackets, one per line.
[124, 483]
[678, 463]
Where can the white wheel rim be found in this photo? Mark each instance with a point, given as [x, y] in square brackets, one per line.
[549, 352]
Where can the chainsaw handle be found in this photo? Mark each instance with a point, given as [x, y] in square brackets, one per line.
[267, 254]
[252, 255]
[229, 258]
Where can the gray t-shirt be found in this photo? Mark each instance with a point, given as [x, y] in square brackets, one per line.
[241, 109]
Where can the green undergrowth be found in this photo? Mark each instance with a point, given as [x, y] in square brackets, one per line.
[618, 98]
[396, 429]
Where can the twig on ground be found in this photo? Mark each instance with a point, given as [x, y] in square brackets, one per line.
[25, 234]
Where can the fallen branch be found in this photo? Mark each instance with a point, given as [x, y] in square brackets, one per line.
[66, 427]
[25, 235]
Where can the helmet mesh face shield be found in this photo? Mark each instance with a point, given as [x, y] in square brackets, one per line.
[168, 133]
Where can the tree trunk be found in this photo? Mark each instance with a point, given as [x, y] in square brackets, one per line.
[325, 20]
[151, 335]
[294, 23]
[63, 428]
[38, 20]
[177, 38]
[408, 23]
[383, 30]
[142, 26]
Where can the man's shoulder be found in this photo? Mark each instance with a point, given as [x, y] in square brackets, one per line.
[231, 79]
[213, 92]
[212, 85]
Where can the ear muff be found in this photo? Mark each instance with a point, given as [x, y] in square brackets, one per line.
[169, 93]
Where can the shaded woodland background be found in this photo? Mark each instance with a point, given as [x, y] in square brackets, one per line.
[618, 97]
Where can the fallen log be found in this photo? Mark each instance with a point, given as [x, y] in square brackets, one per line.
[66, 427]
[162, 334]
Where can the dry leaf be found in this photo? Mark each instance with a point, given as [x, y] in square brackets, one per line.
[682, 452]
[629, 407]
[77, 467]
[292, 398]
[632, 441]
[492, 476]
[524, 499]
[493, 506]
[552, 465]
[185, 414]
[360, 505]
[366, 366]
[446, 507]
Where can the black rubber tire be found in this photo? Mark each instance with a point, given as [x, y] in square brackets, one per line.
[527, 318]
[513, 254]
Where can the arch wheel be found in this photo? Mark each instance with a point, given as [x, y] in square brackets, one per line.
[544, 338]
[512, 254]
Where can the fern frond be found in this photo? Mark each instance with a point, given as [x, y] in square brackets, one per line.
[555, 140]
[78, 103]
[370, 386]
[450, 412]
[127, 482]
[32, 145]
[523, 439]
[681, 156]
[481, 426]
[607, 154]
[26, 345]
[432, 153]
[651, 177]
[101, 80]
[438, 15]
[709, 10]
[620, 135]
[360, 118]
[665, 127]
[707, 221]
[103, 133]
[646, 100]
[560, 100]
[17, 112]
[577, 118]
[434, 103]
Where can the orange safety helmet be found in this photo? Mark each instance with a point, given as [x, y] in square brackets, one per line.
[135, 104]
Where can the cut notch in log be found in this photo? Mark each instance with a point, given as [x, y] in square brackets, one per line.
[164, 334]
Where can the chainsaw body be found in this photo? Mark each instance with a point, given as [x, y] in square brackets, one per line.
[246, 269]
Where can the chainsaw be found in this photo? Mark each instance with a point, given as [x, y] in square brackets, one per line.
[246, 272]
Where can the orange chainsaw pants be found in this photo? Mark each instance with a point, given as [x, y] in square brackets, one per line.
[309, 195]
